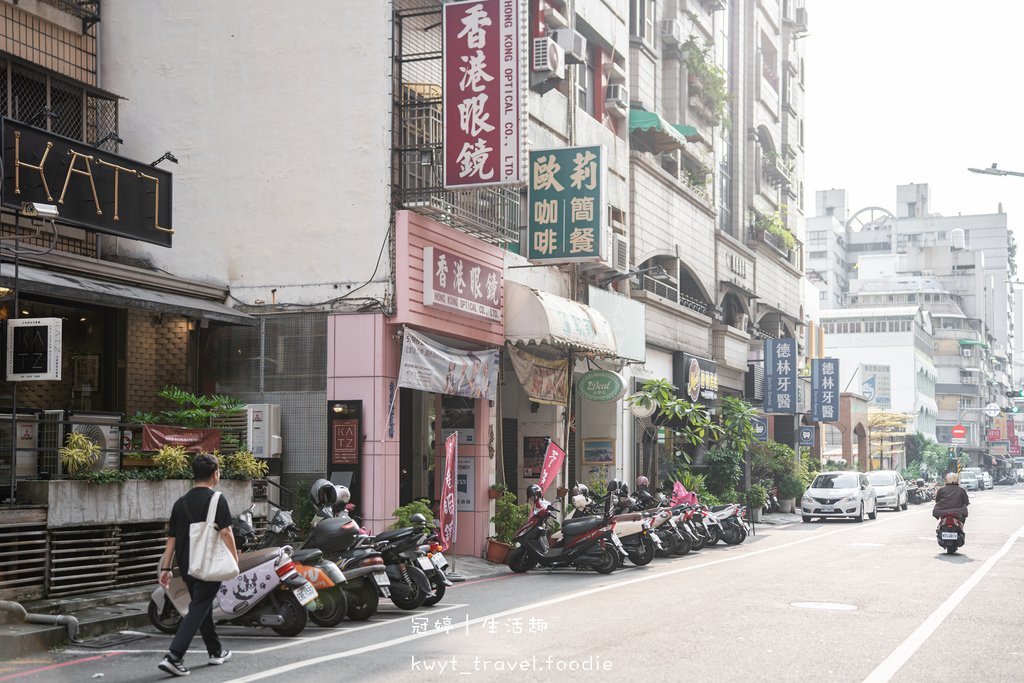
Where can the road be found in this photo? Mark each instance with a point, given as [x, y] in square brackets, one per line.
[829, 601]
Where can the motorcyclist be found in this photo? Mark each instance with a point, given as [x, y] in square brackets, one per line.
[951, 499]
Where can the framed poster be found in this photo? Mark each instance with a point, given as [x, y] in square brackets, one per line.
[533, 455]
[599, 451]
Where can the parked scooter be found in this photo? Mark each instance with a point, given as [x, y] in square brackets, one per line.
[586, 542]
[631, 527]
[268, 591]
[407, 565]
[950, 532]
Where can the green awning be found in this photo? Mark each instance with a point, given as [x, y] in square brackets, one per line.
[666, 136]
[972, 342]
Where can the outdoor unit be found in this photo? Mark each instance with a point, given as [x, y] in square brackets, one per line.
[263, 429]
[548, 58]
[553, 18]
[671, 32]
[103, 429]
[616, 99]
[574, 44]
[620, 253]
[27, 439]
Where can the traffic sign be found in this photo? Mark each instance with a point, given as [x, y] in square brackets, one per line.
[992, 409]
[959, 434]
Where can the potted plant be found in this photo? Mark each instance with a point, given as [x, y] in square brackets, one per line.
[79, 454]
[755, 499]
[508, 517]
[791, 487]
[495, 491]
[403, 515]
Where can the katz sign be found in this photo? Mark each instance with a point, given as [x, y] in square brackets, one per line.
[456, 282]
[92, 189]
[482, 112]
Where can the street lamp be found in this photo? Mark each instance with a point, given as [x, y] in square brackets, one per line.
[994, 170]
[656, 272]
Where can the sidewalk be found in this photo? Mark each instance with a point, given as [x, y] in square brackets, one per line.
[779, 518]
[109, 612]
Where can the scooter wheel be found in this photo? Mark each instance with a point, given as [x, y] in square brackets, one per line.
[644, 554]
[439, 589]
[295, 615]
[166, 620]
[683, 545]
[609, 562]
[330, 608]
[714, 536]
[951, 550]
[362, 602]
[414, 596]
[519, 560]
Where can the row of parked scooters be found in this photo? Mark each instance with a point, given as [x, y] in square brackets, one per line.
[601, 533]
[338, 571]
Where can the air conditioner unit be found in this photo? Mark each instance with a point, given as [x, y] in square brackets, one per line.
[574, 44]
[553, 18]
[620, 253]
[671, 32]
[616, 99]
[548, 58]
[800, 19]
[263, 429]
[103, 429]
[966, 353]
[26, 466]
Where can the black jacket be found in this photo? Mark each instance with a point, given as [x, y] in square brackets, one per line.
[951, 498]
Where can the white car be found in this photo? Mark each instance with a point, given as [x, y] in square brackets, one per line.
[839, 494]
[986, 477]
[970, 481]
[890, 489]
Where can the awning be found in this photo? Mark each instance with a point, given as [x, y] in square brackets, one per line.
[533, 317]
[973, 342]
[666, 136]
[90, 290]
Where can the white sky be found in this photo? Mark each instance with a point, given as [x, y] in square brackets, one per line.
[915, 91]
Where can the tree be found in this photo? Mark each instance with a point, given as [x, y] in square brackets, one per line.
[887, 434]
[692, 422]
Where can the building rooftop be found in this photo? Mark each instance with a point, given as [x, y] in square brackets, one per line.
[889, 312]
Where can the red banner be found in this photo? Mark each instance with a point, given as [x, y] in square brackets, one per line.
[451, 445]
[155, 437]
[553, 458]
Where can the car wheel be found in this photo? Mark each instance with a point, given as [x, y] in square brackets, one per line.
[874, 510]
[806, 519]
[904, 506]
[860, 514]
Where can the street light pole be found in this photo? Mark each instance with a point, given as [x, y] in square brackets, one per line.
[994, 170]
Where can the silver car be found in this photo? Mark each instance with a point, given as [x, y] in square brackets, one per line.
[970, 481]
[890, 489]
[839, 494]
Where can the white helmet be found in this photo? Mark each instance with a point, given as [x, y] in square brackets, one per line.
[579, 501]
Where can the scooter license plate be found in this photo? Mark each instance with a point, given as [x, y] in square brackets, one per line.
[949, 536]
[425, 563]
[381, 578]
[439, 561]
[306, 594]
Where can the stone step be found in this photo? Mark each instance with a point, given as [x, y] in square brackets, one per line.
[21, 639]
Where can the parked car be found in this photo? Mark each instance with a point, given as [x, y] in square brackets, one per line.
[969, 480]
[839, 494]
[980, 475]
[890, 489]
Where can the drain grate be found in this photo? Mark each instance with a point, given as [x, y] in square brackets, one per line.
[111, 640]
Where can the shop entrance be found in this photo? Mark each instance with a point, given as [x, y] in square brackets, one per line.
[417, 445]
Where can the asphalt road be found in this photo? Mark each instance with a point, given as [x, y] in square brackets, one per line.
[829, 601]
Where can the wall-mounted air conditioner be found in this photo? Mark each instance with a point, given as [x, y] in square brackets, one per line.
[103, 429]
[616, 99]
[552, 17]
[574, 44]
[671, 33]
[620, 253]
[548, 58]
[26, 441]
[263, 429]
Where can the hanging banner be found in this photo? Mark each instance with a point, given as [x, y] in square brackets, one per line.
[155, 437]
[824, 396]
[780, 376]
[429, 366]
[447, 511]
[545, 381]
[553, 458]
[481, 95]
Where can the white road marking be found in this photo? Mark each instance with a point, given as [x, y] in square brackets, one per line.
[313, 661]
[836, 606]
[869, 545]
[888, 668]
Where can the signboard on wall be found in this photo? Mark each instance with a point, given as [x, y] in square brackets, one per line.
[465, 484]
[780, 376]
[824, 392]
[482, 94]
[430, 366]
[92, 189]
[696, 378]
[461, 284]
[876, 385]
[345, 445]
[34, 349]
[565, 205]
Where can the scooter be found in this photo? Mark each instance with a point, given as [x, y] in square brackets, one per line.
[268, 591]
[587, 542]
[407, 565]
[950, 532]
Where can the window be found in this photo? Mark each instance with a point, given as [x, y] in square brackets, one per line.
[586, 90]
[823, 296]
[830, 211]
[641, 20]
[818, 254]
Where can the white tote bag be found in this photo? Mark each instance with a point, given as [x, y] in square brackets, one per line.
[208, 558]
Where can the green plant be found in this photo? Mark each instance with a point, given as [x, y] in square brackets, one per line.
[725, 469]
[508, 517]
[193, 411]
[771, 460]
[713, 84]
[772, 223]
[79, 453]
[304, 507]
[737, 423]
[692, 420]
[499, 487]
[756, 496]
[242, 465]
[597, 485]
[403, 515]
[791, 486]
[174, 461]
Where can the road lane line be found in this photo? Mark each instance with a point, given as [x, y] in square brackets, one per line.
[287, 668]
[888, 668]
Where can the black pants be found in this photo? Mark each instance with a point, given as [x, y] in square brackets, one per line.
[199, 618]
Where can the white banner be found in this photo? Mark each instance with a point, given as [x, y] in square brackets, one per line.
[429, 366]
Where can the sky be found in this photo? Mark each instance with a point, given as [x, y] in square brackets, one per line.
[916, 91]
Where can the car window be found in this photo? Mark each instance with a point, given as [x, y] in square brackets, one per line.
[863, 480]
[835, 480]
[968, 475]
[881, 478]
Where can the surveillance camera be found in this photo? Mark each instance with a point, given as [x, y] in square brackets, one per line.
[37, 210]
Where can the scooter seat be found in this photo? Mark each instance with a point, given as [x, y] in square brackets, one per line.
[576, 527]
[394, 534]
[308, 556]
[258, 557]
[719, 508]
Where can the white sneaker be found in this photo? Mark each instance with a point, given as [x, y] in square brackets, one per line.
[220, 658]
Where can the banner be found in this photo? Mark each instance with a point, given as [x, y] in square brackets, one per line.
[429, 366]
[481, 95]
[824, 393]
[155, 437]
[780, 376]
[553, 459]
[447, 511]
[545, 381]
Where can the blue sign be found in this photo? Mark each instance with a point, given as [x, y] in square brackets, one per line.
[824, 389]
[760, 425]
[780, 376]
[867, 389]
[806, 436]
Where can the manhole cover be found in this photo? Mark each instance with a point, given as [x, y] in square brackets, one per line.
[111, 640]
[834, 606]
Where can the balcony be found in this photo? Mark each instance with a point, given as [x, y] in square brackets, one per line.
[776, 169]
[777, 243]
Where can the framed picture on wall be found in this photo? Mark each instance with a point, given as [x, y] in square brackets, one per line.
[599, 451]
[533, 455]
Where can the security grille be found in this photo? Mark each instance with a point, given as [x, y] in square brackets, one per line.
[82, 559]
[22, 553]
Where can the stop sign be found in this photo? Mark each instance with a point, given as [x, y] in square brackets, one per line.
[959, 433]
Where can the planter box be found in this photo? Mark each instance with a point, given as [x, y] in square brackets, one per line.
[497, 551]
[71, 502]
[755, 515]
[787, 505]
